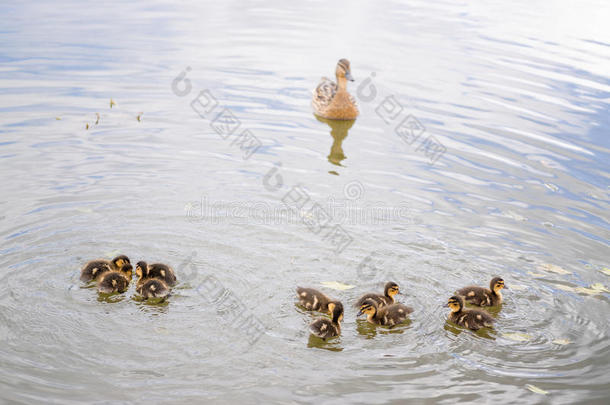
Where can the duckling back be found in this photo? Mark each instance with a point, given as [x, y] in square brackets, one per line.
[472, 319]
[152, 288]
[380, 299]
[113, 282]
[161, 271]
[312, 299]
[94, 269]
[392, 315]
[325, 328]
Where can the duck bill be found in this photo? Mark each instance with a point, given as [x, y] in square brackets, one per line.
[348, 76]
[359, 313]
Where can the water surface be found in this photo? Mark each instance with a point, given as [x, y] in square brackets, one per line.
[514, 94]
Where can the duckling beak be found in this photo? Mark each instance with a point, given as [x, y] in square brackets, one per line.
[446, 305]
[359, 313]
[348, 76]
[505, 286]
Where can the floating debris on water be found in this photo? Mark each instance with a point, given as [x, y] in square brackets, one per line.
[139, 117]
[535, 389]
[551, 187]
[335, 285]
[58, 118]
[87, 126]
[518, 336]
[595, 288]
[562, 342]
[553, 268]
[112, 103]
[97, 120]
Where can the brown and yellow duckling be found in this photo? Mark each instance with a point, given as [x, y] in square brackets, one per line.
[94, 269]
[152, 288]
[387, 298]
[389, 315]
[485, 297]
[156, 270]
[328, 328]
[314, 300]
[331, 100]
[473, 319]
[150, 284]
[115, 281]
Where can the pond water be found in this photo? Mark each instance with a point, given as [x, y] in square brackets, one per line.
[482, 149]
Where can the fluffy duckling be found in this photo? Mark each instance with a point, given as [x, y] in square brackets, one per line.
[115, 281]
[473, 319]
[314, 300]
[156, 270]
[94, 269]
[331, 100]
[486, 297]
[152, 288]
[389, 315]
[327, 328]
[390, 290]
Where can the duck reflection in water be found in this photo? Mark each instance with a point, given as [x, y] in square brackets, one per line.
[338, 130]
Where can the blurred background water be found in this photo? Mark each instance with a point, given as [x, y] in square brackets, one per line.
[508, 176]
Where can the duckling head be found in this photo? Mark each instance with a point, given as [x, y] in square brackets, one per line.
[496, 284]
[120, 261]
[336, 310]
[391, 289]
[141, 269]
[456, 303]
[368, 307]
[127, 271]
[343, 70]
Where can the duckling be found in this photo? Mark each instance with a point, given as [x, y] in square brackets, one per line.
[389, 315]
[115, 280]
[314, 300]
[473, 319]
[327, 328]
[484, 296]
[95, 268]
[331, 100]
[156, 270]
[152, 288]
[389, 291]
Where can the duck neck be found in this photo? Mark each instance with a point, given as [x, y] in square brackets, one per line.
[341, 83]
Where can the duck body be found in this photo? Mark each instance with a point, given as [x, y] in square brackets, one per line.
[157, 270]
[382, 300]
[325, 328]
[313, 300]
[115, 281]
[482, 296]
[152, 288]
[94, 269]
[389, 315]
[473, 319]
[331, 100]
